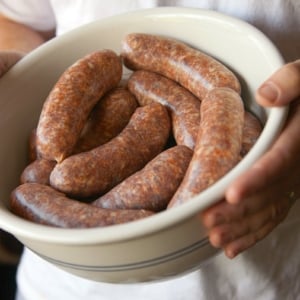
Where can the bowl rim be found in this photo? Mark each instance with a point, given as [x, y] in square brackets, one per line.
[165, 219]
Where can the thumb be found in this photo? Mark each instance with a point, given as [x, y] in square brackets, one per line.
[282, 87]
[8, 59]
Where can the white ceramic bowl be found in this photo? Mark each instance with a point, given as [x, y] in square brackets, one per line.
[169, 243]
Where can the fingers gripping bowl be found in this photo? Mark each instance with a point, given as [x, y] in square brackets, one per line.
[168, 243]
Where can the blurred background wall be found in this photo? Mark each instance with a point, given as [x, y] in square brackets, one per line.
[10, 252]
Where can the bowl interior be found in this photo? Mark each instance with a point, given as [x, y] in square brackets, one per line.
[24, 88]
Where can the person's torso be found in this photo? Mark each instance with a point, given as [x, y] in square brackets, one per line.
[280, 21]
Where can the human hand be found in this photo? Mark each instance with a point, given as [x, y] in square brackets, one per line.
[8, 59]
[260, 199]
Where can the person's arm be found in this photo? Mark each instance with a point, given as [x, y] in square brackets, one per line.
[16, 40]
[260, 199]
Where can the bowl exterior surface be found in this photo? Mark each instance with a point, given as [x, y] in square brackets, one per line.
[172, 242]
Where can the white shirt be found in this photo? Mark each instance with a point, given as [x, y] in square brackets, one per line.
[278, 19]
[268, 271]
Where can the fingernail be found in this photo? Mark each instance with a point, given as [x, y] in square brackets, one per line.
[269, 91]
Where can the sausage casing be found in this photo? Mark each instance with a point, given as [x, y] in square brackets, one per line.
[152, 187]
[32, 152]
[184, 107]
[44, 205]
[218, 144]
[38, 171]
[94, 172]
[71, 100]
[108, 118]
[251, 132]
[193, 69]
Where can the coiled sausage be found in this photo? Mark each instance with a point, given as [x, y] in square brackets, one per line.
[193, 69]
[38, 171]
[94, 172]
[108, 118]
[152, 187]
[71, 100]
[218, 144]
[184, 107]
[251, 132]
[44, 205]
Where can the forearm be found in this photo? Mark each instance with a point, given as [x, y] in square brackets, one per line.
[18, 37]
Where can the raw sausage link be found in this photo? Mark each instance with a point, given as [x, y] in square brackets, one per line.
[108, 118]
[251, 132]
[44, 205]
[184, 107]
[152, 187]
[71, 100]
[218, 144]
[32, 152]
[38, 171]
[196, 71]
[94, 172]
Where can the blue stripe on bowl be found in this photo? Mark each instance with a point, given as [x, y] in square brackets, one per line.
[136, 265]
